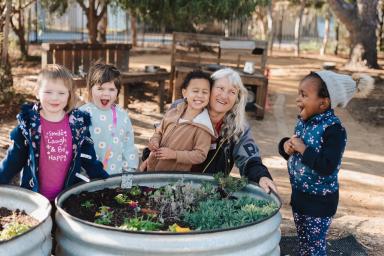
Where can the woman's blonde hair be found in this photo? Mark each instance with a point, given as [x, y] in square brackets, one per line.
[58, 72]
[234, 119]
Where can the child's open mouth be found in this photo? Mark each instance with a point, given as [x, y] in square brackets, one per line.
[104, 102]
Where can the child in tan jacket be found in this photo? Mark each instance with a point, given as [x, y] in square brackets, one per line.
[185, 133]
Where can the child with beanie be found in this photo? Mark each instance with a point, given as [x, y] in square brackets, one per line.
[314, 154]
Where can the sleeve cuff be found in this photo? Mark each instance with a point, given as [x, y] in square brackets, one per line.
[281, 148]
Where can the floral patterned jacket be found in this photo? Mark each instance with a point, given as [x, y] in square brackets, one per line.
[24, 153]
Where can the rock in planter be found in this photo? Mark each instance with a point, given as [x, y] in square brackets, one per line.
[80, 237]
[37, 240]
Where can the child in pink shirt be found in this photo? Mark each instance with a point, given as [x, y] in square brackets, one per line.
[51, 142]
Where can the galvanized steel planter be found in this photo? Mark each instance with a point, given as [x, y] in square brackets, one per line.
[37, 240]
[78, 237]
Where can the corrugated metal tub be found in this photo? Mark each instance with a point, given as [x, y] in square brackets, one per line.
[37, 240]
[78, 237]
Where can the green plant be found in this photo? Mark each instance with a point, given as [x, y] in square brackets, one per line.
[121, 199]
[135, 191]
[104, 215]
[230, 184]
[13, 229]
[216, 214]
[139, 224]
[172, 201]
[87, 204]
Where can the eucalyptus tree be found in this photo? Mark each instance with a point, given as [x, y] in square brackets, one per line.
[94, 11]
[5, 67]
[360, 19]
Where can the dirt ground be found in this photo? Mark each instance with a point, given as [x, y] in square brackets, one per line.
[361, 176]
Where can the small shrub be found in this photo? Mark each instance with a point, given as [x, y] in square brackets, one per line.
[104, 215]
[216, 214]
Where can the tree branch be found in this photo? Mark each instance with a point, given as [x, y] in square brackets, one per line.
[27, 4]
[98, 17]
[346, 12]
[82, 5]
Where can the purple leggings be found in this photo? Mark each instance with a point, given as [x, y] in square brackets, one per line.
[312, 232]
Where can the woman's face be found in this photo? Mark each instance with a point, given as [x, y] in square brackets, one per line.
[223, 96]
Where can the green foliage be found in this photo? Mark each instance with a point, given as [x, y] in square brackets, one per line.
[104, 215]
[182, 15]
[140, 224]
[216, 214]
[135, 191]
[174, 200]
[13, 229]
[87, 204]
[230, 184]
[121, 199]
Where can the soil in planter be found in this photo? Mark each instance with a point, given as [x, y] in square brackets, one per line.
[89, 206]
[13, 223]
[172, 208]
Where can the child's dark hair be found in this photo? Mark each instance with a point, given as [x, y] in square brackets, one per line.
[196, 74]
[323, 91]
[100, 73]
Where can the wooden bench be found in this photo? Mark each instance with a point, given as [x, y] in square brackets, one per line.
[199, 51]
[78, 57]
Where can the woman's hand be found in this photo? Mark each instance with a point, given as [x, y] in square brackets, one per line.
[267, 184]
[165, 153]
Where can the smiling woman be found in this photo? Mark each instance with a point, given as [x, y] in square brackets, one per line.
[234, 144]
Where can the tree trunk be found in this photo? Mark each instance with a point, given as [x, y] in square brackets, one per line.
[134, 29]
[337, 30]
[102, 28]
[299, 19]
[326, 32]
[4, 53]
[92, 22]
[270, 35]
[19, 29]
[360, 19]
[5, 67]
[381, 25]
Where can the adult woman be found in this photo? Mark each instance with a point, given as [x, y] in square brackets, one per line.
[235, 144]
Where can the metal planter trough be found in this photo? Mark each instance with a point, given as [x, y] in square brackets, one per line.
[79, 237]
[37, 240]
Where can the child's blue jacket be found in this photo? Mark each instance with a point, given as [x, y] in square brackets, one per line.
[23, 155]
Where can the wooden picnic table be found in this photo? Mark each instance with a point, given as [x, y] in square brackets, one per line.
[128, 78]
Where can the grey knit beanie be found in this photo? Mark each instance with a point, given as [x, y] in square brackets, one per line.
[341, 88]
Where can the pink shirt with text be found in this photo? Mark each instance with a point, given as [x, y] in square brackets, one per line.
[55, 156]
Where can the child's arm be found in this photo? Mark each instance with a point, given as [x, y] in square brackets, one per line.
[326, 161]
[16, 157]
[89, 162]
[195, 156]
[130, 154]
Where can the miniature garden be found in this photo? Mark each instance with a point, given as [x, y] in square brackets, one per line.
[178, 207]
